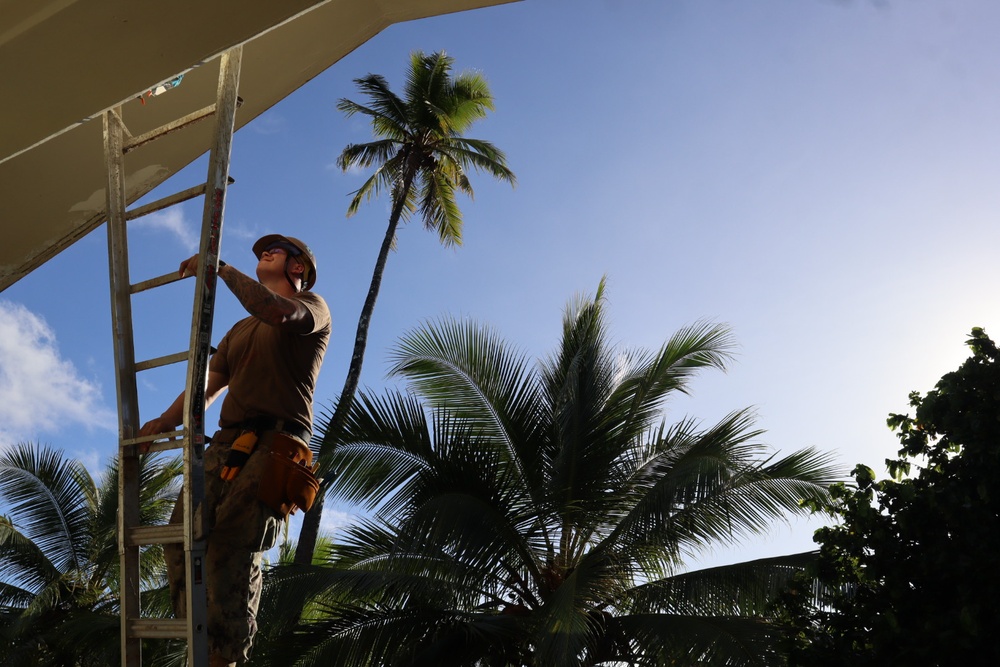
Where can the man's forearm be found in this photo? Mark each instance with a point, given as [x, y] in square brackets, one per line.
[174, 415]
[259, 301]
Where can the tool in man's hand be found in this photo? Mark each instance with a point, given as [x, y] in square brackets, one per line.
[241, 450]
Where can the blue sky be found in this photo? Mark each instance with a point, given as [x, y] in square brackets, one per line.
[820, 175]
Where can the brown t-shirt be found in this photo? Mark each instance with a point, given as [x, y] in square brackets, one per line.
[272, 371]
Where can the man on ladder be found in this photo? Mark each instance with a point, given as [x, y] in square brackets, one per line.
[257, 468]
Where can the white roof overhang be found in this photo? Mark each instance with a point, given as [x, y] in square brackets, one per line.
[64, 62]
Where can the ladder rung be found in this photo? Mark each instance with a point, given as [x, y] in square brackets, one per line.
[160, 204]
[134, 142]
[168, 533]
[175, 441]
[164, 130]
[171, 200]
[179, 433]
[165, 446]
[161, 361]
[157, 628]
[165, 279]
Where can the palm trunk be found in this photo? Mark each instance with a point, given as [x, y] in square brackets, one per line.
[310, 523]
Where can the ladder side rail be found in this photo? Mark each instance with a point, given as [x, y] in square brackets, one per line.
[128, 402]
[201, 334]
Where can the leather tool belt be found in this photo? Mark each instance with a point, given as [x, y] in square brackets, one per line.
[250, 430]
[268, 423]
[288, 481]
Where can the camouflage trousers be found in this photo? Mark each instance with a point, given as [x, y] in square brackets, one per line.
[240, 529]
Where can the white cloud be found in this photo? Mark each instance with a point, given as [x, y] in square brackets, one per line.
[269, 123]
[39, 390]
[241, 232]
[172, 220]
[335, 520]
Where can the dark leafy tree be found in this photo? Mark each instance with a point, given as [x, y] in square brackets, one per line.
[542, 516]
[59, 567]
[909, 576]
[421, 160]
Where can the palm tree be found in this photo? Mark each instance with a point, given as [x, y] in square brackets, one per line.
[59, 555]
[542, 515]
[421, 160]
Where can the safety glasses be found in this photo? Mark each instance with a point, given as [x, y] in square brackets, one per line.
[288, 248]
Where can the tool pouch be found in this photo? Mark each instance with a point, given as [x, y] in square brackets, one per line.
[288, 481]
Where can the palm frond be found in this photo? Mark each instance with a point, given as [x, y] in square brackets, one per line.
[770, 491]
[638, 397]
[68, 610]
[159, 484]
[397, 565]
[473, 531]
[581, 361]
[712, 487]
[746, 589]
[567, 625]
[663, 639]
[387, 111]
[480, 155]
[49, 493]
[427, 91]
[385, 442]
[365, 155]
[439, 209]
[353, 604]
[484, 382]
[25, 565]
[351, 635]
[13, 598]
[471, 100]
[463, 639]
[385, 177]
[92, 635]
[577, 382]
[668, 495]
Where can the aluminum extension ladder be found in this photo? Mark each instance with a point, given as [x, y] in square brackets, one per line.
[191, 436]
